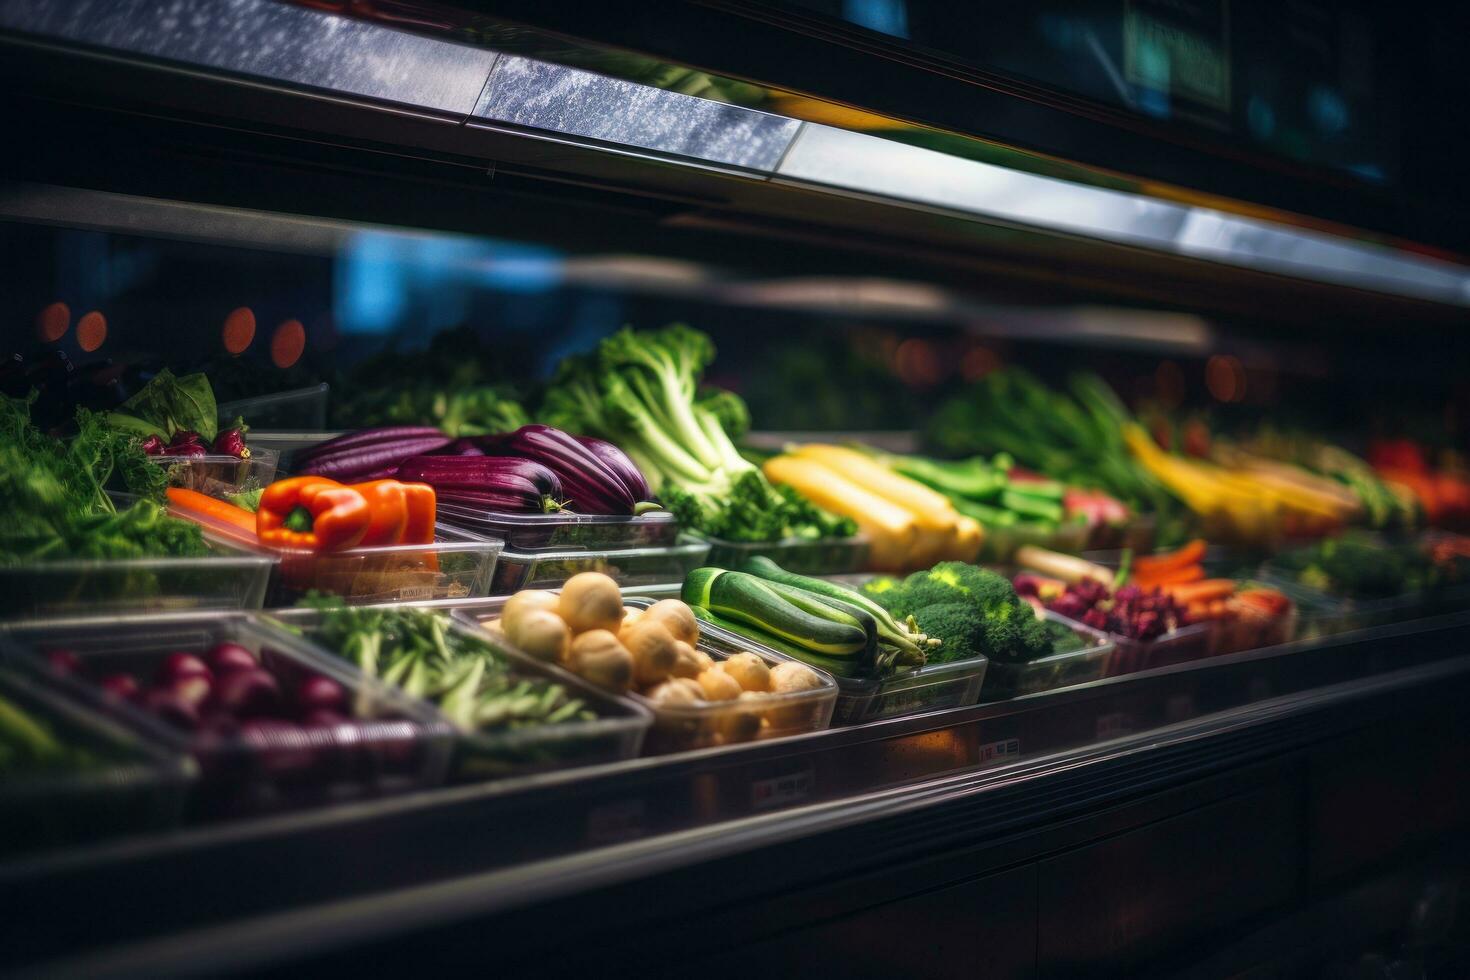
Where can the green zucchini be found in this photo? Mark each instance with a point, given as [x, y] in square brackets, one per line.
[889, 629]
[746, 599]
[849, 667]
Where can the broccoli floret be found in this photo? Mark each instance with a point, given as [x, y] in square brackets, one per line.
[1011, 630]
[960, 626]
[888, 592]
[1062, 638]
[955, 581]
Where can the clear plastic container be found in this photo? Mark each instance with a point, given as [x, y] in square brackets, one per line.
[566, 531]
[382, 742]
[458, 565]
[630, 567]
[1254, 632]
[1194, 642]
[119, 785]
[1012, 680]
[230, 578]
[823, 556]
[219, 476]
[1001, 542]
[303, 408]
[616, 733]
[678, 728]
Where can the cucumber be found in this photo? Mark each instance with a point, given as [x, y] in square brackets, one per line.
[746, 599]
[849, 667]
[889, 629]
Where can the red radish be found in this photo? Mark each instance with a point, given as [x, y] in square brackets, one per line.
[226, 658]
[63, 661]
[172, 709]
[121, 686]
[320, 693]
[193, 690]
[247, 694]
[181, 664]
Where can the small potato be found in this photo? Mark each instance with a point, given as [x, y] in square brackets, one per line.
[689, 662]
[544, 635]
[677, 618]
[631, 615]
[718, 686]
[600, 659]
[518, 605]
[676, 692]
[653, 652]
[591, 601]
[744, 724]
[790, 677]
[749, 671]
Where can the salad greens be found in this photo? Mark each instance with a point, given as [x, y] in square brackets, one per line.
[58, 504]
[168, 404]
[640, 390]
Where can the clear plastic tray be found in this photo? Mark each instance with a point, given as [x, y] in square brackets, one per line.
[823, 556]
[1012, 680]
[566, 531]
[219, 476]
[126, 785]
[304, 408]
[518, 570]
[1254, 633]
[457, 565]
[1001, 542]
[680, 728]
[391, 743]
[231, 578]
[617, 733]
[1194, 642]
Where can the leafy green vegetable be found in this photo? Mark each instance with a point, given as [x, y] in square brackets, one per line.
[415, 649]
[57, 500]
[248, 499]
[640, 389]
[166, 405]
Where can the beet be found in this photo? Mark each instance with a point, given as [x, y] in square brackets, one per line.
[193, 689]
[153, 446]
[231, 442]
[226, 658]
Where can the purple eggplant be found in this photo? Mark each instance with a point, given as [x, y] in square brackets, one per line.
[369, 454]
[617, 461]
[591, 485]
[487, 482]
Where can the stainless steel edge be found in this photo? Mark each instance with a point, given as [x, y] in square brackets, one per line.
[867, 165]
[545, 96]
[265, 39]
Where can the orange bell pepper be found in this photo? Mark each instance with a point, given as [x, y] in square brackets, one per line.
[422, 507]
[389, 509]
[312, 513]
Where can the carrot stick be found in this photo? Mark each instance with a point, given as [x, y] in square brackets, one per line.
[1206, 591]
[1181, 576]
[205, 509]
[1151, 566]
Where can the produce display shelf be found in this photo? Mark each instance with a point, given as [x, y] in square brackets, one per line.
[1012, 680]
[820, 556]
[518, 570]
[566, 530]
[659, 805]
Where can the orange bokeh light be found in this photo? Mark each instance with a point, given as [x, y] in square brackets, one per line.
[239, 330]
[288, 343]
[978, 362]
[917, 363]
[91, 331]
[53, 322]
[1225, 377]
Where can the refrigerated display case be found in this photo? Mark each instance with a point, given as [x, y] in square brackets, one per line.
[419, 214]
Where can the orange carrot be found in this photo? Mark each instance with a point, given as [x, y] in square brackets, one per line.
[205, 509]
[1180, 576]
[1151, 566]
[1206, 591]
